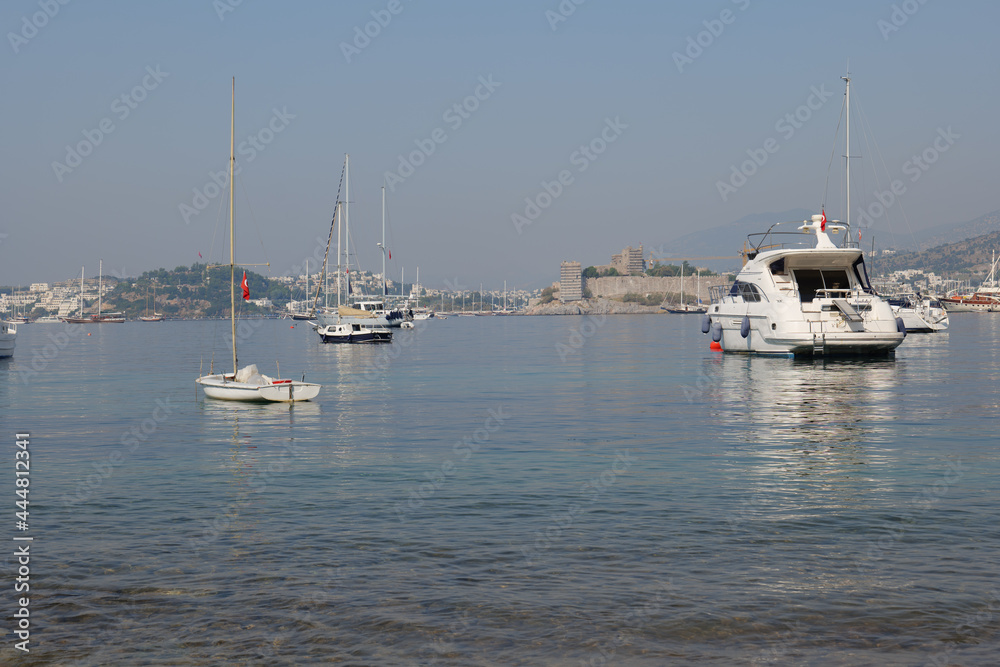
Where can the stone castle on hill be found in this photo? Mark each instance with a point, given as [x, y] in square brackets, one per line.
[631, 279]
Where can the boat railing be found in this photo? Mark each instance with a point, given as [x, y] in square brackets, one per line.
[835, 293]
[773, 239]
[717, 293]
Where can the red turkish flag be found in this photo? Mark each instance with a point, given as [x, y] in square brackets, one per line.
[246, 288]
[822, 222]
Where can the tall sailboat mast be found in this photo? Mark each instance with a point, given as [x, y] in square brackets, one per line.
[339, 270]
[347, 219]
[383, 243]
[232, 232]
[100, 286]
[847, 156]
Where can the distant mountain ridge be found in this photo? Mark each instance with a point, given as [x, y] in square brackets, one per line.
[961, 259]
[962, 247]
[950, 233]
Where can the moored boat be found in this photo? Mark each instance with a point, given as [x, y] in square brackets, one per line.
[98, 317]
[247, 384]
[352, 332]
[986, 299]
[920, 314]
[8, 338]
[793, 301]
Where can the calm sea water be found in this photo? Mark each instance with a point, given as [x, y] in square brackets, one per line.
[505, 491]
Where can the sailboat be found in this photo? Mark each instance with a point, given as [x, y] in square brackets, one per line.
[364, 321]
[14, 317]
[296, 314]
[685, 308]
[155, 317]
[98, 318]
[247, 384]
[369, 314]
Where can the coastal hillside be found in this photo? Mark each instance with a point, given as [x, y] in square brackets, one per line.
[969, 258]
[944, 234]
[191, 292]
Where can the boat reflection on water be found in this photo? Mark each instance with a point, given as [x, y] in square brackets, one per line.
[261, 448]
[810, 443]
[807, 413]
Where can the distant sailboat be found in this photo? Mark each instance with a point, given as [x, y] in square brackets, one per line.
[155, 317]
[247, 384]
[98, 318]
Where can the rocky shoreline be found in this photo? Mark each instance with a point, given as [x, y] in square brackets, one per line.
[594, 307]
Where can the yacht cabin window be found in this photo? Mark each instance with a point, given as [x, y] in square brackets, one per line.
[748, 291]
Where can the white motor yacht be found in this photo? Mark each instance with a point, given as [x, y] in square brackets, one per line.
[8, 338]
[792, 300]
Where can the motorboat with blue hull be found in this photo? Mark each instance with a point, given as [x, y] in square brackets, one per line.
[365, 313]
[351, 332]
[791, 300]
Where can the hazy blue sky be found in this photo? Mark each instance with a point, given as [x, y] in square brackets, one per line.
[678, 126]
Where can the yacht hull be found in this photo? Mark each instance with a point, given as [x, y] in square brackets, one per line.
[8, 336]
[810, 345]
[356, 337]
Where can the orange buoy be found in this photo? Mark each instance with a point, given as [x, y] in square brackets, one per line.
[88, 334]
[715, 346]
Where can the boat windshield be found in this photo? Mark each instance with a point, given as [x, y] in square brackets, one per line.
[861, 273]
